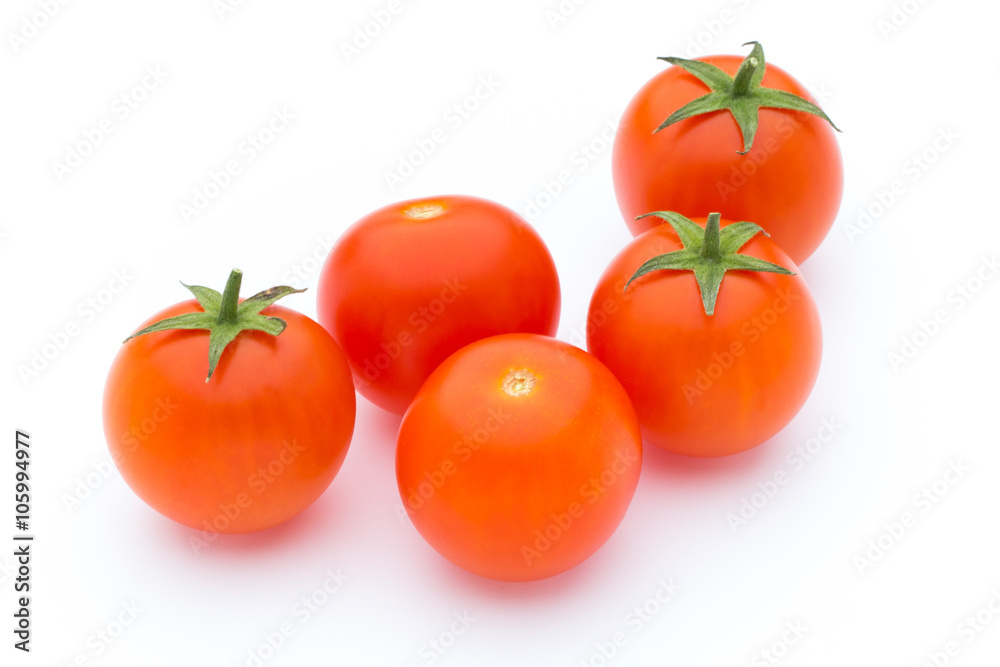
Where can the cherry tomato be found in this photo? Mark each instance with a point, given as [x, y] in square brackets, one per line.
[518, 457]
[248, 449]
[707, 385]
[411, 283]
[791, 180]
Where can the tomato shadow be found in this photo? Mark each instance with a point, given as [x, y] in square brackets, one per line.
[525, 595]
[667, 467]
[379, 423]
[677, 475]
[322, 522]
[321, 518]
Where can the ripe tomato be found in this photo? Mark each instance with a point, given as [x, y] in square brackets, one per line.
[249, 448]
[707, 385]
[411, 283]
[791, 180]
[518, 457]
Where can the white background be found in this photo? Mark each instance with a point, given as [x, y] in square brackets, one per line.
[559, 85]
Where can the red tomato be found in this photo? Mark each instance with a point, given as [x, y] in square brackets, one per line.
[518, 457]
[707, 385]
[411, 283]
[248, 449]
[791, 181]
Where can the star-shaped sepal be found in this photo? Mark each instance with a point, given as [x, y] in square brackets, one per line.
[709, 252]
[225, 316]
[741, 95]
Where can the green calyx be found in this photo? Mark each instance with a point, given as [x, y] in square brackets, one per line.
[741, 95]
[709, 252]
[225, 316]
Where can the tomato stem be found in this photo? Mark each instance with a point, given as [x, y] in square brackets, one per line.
[711, 248]
[230, 298]
[742, 96]
[224, 316]
[743, 81]
[709, 252]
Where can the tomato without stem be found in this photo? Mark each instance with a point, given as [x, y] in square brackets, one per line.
[518, 457]
[707, 385]
[411, 283]
[791, 180]
[248, 449]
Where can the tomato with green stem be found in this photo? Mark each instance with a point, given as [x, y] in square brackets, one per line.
[723, 133]
[240, 443]
[715, 339]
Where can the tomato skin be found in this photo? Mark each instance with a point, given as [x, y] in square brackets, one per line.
[400, 294]
[518, 488]
[707, 385]
[247, 450]
[791, 182]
